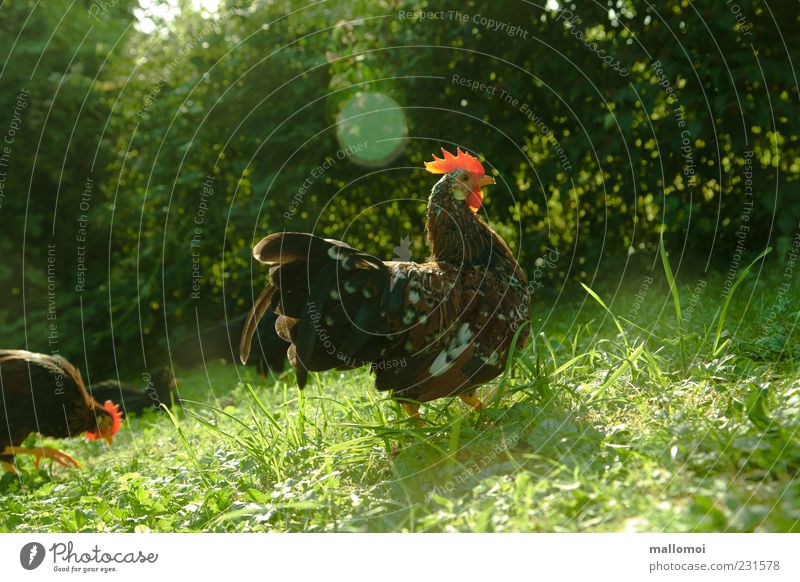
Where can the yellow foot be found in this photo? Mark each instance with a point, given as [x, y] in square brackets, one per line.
[473, 401]
[8, 467]
[40, 453]
[412, 410]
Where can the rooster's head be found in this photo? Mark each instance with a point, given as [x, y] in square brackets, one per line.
[464, 177]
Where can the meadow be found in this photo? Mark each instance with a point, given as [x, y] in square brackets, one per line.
[653, 406]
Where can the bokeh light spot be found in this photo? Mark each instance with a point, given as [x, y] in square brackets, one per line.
[371, 127]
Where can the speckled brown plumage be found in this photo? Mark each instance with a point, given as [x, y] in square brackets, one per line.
[428, 330]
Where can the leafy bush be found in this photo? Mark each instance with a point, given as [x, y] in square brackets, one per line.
[606, 127]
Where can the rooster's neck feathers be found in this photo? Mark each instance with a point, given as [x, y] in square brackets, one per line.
[458, 236]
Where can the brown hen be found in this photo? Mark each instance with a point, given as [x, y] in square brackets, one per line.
[45, 394]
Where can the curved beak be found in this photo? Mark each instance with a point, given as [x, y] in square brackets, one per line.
[485, 181]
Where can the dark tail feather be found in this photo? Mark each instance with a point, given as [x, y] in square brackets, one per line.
[250, 326]
[286, 327]
[300, 369]
[288, 247]
[326, 294]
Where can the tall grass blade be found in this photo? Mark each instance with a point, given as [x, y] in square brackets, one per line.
[614, 318]
[676, 299]
[717, 348]
[629, 362]
[273, 421]
[187, 446]
[512, 352]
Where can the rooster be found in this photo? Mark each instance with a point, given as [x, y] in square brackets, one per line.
[46, 395]
[428, 330]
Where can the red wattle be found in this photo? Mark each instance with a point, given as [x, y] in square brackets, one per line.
[475, 200]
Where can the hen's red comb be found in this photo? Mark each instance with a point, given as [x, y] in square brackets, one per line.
[116, 421]
[113, 410]
[450, 162]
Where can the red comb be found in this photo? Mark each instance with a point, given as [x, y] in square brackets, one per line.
[451, 162]
[113, 410]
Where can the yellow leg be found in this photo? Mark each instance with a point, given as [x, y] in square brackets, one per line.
[473, 401]
[412, 410]
[40, 453]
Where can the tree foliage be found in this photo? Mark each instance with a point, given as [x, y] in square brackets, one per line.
[170, 151]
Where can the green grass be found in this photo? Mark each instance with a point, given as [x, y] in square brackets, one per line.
[598, 427]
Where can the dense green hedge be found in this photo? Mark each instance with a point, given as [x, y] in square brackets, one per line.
[150, 162]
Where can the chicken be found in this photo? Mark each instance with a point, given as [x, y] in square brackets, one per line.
[429, 330]
[46, 395]
[132, 400]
